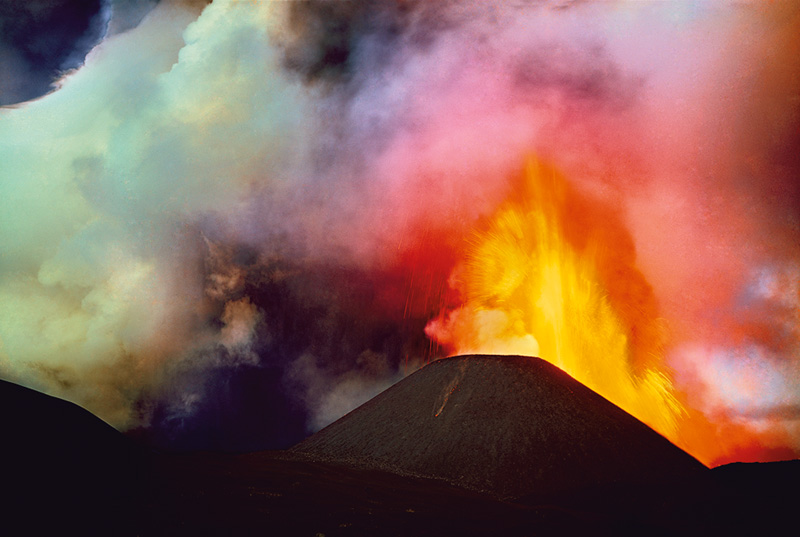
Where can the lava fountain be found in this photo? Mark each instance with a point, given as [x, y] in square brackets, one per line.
[552, 274]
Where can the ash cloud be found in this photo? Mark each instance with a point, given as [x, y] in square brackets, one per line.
[240, 216]
[127, 14]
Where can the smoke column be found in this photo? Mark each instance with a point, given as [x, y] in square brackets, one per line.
[234, 222]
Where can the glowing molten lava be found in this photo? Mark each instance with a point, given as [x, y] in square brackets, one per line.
[553, 275]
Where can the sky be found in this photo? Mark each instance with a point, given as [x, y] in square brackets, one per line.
[225, 224]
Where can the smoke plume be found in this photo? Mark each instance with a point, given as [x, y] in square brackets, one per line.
[235, 220]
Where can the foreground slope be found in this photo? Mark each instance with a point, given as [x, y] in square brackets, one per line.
[67, 473]
[508, 425]
[63, 469]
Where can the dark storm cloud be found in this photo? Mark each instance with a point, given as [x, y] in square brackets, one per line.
[40, 39]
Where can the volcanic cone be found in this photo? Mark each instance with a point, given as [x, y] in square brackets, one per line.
[508, 425]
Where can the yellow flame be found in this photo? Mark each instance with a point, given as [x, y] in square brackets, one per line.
[528, 290]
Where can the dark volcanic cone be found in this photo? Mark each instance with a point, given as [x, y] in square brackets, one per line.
[508, 425]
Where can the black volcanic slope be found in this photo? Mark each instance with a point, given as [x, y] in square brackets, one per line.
[63, 469]
[64, 472]
[512, 426]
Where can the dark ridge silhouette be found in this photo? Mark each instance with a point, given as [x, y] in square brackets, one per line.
[64, 469]
[508, 425]
[65, 472]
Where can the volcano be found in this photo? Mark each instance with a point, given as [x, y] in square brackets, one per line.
[475, 445]
[511, 426]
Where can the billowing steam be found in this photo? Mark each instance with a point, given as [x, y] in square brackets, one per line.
[231, 226]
